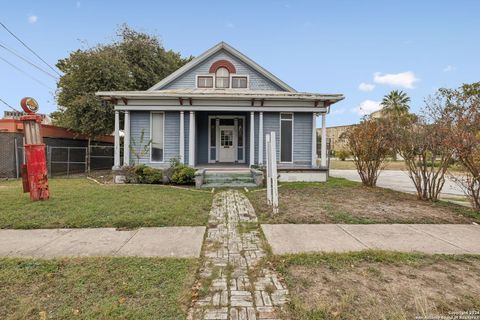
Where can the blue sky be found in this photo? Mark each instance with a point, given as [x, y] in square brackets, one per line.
[362, 49]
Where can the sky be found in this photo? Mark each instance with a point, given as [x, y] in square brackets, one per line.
[361, 49]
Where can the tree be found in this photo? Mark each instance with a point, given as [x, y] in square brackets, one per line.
[135, 61]
[462, 109]
[369, 145]
[396, 103]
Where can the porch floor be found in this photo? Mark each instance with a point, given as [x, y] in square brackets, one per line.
[229, 167]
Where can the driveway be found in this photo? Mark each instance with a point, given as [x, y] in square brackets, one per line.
[398, 180]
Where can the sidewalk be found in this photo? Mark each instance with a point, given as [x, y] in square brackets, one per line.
[143, 242]
[426, 238]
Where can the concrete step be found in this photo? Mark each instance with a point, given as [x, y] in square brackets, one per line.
[225, 179]
[229, 185]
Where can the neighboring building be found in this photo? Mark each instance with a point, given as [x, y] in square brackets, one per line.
[216, 110]
[57, 141]
[335, 140]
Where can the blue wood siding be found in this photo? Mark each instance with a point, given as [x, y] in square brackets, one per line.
[256, 80]
[302, 138]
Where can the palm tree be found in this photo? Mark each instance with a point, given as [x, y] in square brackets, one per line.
[396, 102]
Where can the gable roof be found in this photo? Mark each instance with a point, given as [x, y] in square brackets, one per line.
[210, 52]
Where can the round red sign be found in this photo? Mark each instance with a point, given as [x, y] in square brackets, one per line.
[29, 105]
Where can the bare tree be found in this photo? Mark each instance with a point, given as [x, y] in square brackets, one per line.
[462, 109]
[370, 145]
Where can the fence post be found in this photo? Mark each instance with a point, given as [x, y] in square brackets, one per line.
[88, 152]
[269, 170]
[273, 173]
[15, 145]
[68, 161]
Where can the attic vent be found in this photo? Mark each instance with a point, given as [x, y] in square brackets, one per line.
[222, 63]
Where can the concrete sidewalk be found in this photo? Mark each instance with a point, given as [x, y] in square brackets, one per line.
[426, 238]
[143, 242]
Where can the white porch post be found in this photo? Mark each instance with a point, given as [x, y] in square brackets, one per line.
[260, 139]
[314, 140]
[324, 142]
[191, 140]
[182, 137]
[252, 138]
[116, 157]
[126, 139]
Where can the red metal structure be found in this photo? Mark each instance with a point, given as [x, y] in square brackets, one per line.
[34, 173]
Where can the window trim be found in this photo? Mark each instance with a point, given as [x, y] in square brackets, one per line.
[228, 78]
[280, 137]
[239, 76]
[205, 75]
[163, 136]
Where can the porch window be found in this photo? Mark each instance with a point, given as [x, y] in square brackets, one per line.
[157, 121]
[205, 82]
[222, 78]
[286, 137]
[239, 82]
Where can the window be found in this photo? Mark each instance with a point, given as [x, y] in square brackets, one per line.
[222, 78]
[205, 82]
[286, 137]
[239, 82]
[157, 137]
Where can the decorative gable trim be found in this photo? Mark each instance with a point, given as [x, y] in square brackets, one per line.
[222, 63]
[222, 45]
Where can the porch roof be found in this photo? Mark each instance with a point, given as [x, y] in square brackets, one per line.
[227, 94]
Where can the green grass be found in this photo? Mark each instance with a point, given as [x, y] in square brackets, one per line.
[95, 288]
[77, 203]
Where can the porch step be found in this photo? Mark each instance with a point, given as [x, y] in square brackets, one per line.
[224, 179]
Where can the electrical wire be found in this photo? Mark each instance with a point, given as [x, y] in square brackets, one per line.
[8, 105]
[28, 61]
[25, 73]
[30, 49]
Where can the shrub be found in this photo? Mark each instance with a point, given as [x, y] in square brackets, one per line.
[342, 154]
[144, 174]
[182, 174]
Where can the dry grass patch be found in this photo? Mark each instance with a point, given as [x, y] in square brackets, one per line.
[379, 285]
[343, 201]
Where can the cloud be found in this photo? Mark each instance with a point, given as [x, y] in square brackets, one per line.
[32, 18]
[449, 68]
[402, 79]
[367, 107]
[367, 87]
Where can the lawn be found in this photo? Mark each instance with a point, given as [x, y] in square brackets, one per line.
[343, 201]
[379, 285]
[95, 288]
[77, 203]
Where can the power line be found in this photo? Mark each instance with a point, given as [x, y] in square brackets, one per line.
[25, 73]
[8, 105]
[27, 61]
[31, 50]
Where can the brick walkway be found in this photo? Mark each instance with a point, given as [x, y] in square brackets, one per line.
[235, 281]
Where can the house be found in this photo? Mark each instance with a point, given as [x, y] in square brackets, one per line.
[215, 112]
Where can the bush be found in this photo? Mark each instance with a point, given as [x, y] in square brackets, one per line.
[182, 174]
[145, 174]
[342, 154]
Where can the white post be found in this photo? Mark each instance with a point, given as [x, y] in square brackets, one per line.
[191, 140]
[116, 157]
[274, 172]
[324, 142]
[252, 138]
[182, 137]
[126, 139]
[314, 140]
[269, 169]
[260, 138]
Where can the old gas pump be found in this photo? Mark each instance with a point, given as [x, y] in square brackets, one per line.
[34, 172]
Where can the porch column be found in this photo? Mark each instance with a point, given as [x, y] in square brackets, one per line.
[260, 138]
[323, 152]
[252, 138]
[116, 154]
[191, 140]
[314, 140]
[126, 139]
[182, 137]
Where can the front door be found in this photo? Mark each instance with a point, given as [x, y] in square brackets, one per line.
[227, 145]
